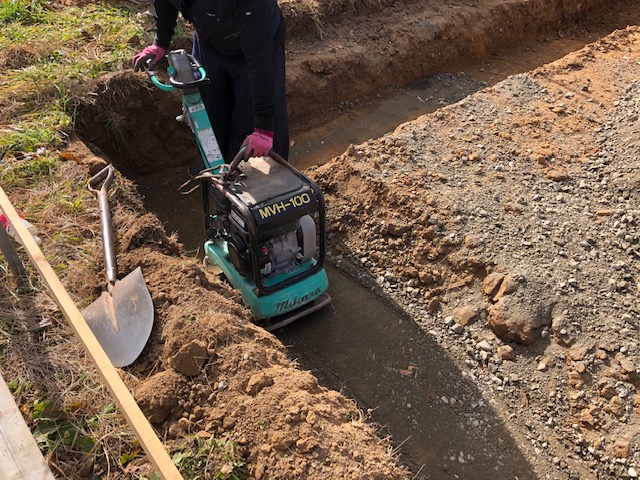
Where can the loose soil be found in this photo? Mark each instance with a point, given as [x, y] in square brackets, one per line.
[505, 225]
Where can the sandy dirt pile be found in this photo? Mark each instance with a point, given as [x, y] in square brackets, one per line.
[219, 375]
[507, 225]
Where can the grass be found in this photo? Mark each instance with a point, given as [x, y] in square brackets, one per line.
[20, 11]
[71, 414]
[22, 174]
[56, 54]
[202, 460]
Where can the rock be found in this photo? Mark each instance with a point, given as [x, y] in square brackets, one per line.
[621, 448]
[626, 364]
[607, 391]
[513, 320]
[465, 314]
[492, 283]
[616, 406]
[397, 229]
[578, 352]
[506, 352]
[588, 416]
[433, 305]
[508, 285]
[560, 325]
[190, 358]
[457, 329]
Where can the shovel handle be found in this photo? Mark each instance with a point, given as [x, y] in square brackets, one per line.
[105, 177]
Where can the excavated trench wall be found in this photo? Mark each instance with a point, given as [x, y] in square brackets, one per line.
[410, 41]
[359, 55]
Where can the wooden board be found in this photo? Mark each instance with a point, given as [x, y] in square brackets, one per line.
[153, 447]
[20, 457]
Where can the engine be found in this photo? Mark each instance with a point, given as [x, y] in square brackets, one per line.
[269, 217]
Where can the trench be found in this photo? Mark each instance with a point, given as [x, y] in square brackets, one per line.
[440, 424]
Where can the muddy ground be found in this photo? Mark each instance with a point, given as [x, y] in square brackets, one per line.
[506, 225]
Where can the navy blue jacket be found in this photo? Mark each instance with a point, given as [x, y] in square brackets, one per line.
[234, 30]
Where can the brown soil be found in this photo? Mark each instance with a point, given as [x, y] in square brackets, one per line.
[506, 225]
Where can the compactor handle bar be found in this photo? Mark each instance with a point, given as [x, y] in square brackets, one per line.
[228, 173]
[185, 72]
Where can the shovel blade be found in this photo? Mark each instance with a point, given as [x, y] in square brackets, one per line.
[122, 320]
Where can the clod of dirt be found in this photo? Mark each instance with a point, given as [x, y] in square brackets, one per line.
[158, 396]
[190, 358]
[513, 319]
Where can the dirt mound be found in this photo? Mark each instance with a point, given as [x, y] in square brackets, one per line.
[210, 375]
[506, 226]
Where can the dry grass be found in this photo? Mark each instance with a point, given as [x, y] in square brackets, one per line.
[42, 360]
[309, 17]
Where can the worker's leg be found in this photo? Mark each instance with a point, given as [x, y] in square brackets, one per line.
[217, 96]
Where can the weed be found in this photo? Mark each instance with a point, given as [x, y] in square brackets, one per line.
[30, 136]
[21, 174]
[73, 205]
[20, 11]
[55, 431]
[115, 130]
[199, 462]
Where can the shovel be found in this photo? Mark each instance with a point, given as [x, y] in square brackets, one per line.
[122, 317]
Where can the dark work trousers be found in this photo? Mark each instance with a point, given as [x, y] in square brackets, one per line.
[229, 106]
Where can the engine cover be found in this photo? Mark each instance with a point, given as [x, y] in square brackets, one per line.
[276, 197]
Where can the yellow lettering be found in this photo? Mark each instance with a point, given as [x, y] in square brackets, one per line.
[267, 211]
[280, 207]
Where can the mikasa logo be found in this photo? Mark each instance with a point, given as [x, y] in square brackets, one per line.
[288, 304]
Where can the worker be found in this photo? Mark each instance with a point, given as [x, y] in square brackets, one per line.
[240, 44]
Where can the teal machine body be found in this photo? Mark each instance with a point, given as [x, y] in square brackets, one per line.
[264, 220]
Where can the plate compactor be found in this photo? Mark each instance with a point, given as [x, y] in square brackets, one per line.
[264, 220]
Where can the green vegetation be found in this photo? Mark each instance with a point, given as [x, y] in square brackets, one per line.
[22, 174]
[54, 430]
[50, 58]
[20, 11]
[203, 459]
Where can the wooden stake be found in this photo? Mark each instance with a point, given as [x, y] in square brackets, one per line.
[10, 254]
[150, 442]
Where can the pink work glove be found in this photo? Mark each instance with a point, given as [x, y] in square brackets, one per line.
[259, 143]
[155, 53]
